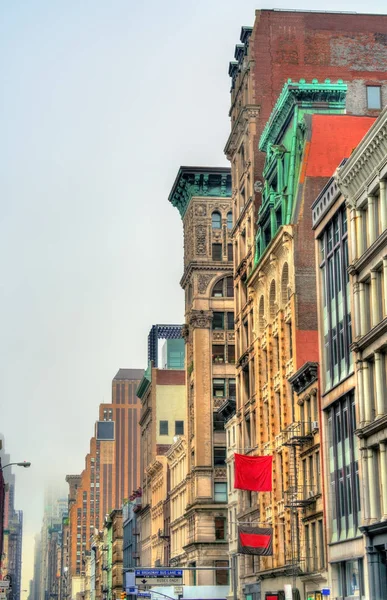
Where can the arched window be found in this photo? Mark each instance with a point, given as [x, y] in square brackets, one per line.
[261, 314]
[285, 284]
[224, 288]
[229, 220]
[216, 220]
[217, 291]
[272, 304]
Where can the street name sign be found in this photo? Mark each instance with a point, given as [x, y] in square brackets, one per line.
[158, 577]
[4, 584]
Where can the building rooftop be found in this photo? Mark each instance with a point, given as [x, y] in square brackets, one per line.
[213, 182]
[129, 374]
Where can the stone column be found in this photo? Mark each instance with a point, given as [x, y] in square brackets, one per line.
[363, 314]
[356, 324]
[360, 392]
[383, 477]
[374, 308]
[366, 393]
[383, 204]
[371, 220]
[385, 285]
[364, 489]
[360, 241]
[352, 225]
[379, 387]
[373, 485]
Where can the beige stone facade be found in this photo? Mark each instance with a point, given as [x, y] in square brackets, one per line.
[163, 404]
[177, 461]
[202, 196]
[363, 182]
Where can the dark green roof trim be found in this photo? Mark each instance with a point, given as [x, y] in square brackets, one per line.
[212, 182]
[305, 95]
[145, 382]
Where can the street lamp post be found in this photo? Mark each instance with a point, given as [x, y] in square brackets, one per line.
[24, 464]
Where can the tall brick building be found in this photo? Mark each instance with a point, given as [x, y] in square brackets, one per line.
[271, 224]
[111, 470]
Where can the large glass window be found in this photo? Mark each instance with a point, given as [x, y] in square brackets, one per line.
[229, 220]
[343, 469]
[335, 298]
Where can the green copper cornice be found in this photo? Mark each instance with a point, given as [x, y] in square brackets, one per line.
[329, 95]
[199, 181]
[145, 382]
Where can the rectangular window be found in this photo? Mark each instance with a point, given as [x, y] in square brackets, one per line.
[230, 287]
[343, 468]
[218, 320]
[230, 321]
[220, 528]
[230, 254]
[220, 492]
[231, 354]
[335, 300]
[374, 97]
[219, 456]
[221, 575]
[232, 389]
[179, 427]
[216, 251]
[218, 388]
[321, 544]
[218, 353]
[163, 427]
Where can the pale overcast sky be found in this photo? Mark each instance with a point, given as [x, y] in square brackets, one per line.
[101, 102]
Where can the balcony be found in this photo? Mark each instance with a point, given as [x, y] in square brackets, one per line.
[297, 434]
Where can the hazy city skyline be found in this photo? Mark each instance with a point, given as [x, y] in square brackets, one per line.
[101, 104]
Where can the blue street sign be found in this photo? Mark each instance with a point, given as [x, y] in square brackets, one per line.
[325, 592]
[158, 573]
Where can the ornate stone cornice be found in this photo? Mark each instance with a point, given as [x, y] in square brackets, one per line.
[199, 182]
[376, 333]
[200, 319]
[305, 95]
[204, 268]
[304, 377]
[366, 162]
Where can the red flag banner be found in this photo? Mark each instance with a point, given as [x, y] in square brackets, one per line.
[255, 540]
[253, 473]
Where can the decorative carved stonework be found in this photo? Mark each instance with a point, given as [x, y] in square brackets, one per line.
[218, 402]
[201, 239]
[220, 473]
[231, 336]
[200, 319]
[218, 336]
[203, 281]
[200, 210]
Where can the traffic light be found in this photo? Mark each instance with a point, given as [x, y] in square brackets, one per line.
[123, 595]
